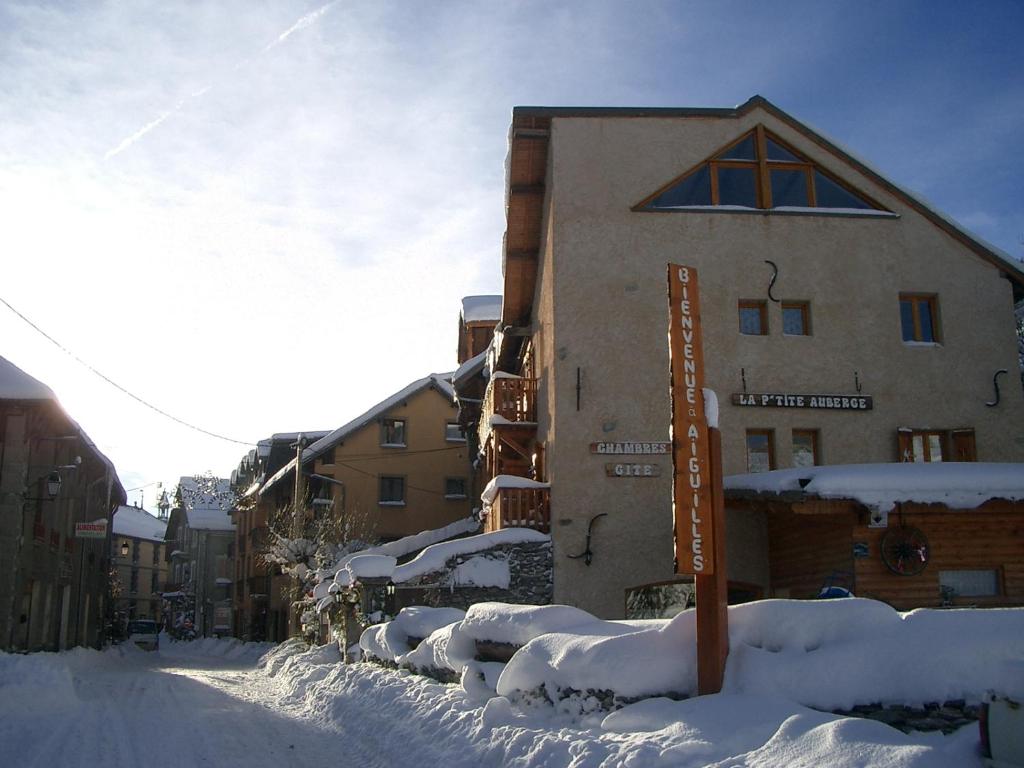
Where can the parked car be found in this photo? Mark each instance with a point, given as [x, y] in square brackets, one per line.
[145, 633]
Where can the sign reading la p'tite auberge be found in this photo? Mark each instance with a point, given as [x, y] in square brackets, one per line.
[691, 488]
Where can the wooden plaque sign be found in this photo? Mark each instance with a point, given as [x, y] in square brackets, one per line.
[691, 486]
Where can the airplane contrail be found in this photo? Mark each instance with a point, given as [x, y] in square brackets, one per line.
[302, 23]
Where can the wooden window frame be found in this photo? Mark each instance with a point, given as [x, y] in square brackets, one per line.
[380, 491]
[389, 422]
[951, 441]
[768, 433]
[815, 435]
[762, 166]
[804, 308]
[761, 307]
[931, 300]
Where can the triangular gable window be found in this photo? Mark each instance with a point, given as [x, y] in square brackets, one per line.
[758, 171]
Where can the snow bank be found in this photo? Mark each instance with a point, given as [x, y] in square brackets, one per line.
[519, 624]
[35, 683]
[390, 641]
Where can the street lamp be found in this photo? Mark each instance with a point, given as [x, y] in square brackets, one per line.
[124, 548]
[53, 483]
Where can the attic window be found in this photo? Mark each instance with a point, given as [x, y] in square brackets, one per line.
[758, 171]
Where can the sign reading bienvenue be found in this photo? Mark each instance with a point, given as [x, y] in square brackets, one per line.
[691, 484]
[785, 400]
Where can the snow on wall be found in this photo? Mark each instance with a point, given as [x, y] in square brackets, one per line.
[434, 557]
[959, 485]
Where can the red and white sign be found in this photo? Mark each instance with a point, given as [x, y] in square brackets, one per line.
[691, 487]
[94, 530]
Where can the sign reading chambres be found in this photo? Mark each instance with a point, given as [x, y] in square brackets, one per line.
[691, 486]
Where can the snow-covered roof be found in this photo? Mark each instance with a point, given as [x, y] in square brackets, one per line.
[470, 368]
[208, 503]
[138, 524]
[15, 384]
[440, 381]
[478, 309]
[957, 485]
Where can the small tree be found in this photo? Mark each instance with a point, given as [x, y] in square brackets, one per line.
[304, 543]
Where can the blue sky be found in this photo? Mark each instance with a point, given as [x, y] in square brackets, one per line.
[262, 216]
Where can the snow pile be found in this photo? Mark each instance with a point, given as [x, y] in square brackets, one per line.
[828, 654]
[958, 485]
[364, 566]
[443, 724]
[391, 641]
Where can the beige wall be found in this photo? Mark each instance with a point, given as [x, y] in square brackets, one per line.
[145, 601]
[425, 462]
[600, 305]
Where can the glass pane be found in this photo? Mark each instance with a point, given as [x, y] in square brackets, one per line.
[750, 321]
[742, 151]
[793, 321]
[831, 195]
[775, 152]
[695, 189]
[737, 186]
[789, 188]
[934, 448]
[969, 583]
[907, 319]
[924, 315]
[758, 458]
[803, 450]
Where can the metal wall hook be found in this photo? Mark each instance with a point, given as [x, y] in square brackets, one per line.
[743, 378]
[587, 554]
[995, 386]
[775, 276]
[856, 383]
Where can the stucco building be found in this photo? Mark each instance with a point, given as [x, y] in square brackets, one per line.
[200, 538]
[844, 321]
[138, 556]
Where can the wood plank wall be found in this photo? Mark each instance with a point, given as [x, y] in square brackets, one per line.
[806, 550]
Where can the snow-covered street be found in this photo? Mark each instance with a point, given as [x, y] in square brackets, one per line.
[219, 703]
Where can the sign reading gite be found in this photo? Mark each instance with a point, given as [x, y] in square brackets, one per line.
[691, 490]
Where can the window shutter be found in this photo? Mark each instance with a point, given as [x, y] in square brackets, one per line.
[904, 452]
[963, 445]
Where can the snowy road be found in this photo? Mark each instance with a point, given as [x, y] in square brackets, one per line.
[162, 710]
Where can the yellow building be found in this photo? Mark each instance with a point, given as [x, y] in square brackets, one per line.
[138, 555]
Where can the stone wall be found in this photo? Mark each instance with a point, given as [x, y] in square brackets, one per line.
[529, 565]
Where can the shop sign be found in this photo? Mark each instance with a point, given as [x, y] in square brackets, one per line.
[94, 530]
[632, 470]
[786, 400]
[629, 448]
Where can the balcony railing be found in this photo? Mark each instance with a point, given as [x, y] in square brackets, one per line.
[509, 399]
[520, 508]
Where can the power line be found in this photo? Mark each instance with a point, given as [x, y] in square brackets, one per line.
[117, 386]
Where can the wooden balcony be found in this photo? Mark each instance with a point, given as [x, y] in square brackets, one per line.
[520, 508]
[512, 399]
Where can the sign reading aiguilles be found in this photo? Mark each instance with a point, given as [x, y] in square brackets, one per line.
[691, 489]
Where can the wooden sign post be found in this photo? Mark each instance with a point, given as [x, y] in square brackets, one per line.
[697, 499]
